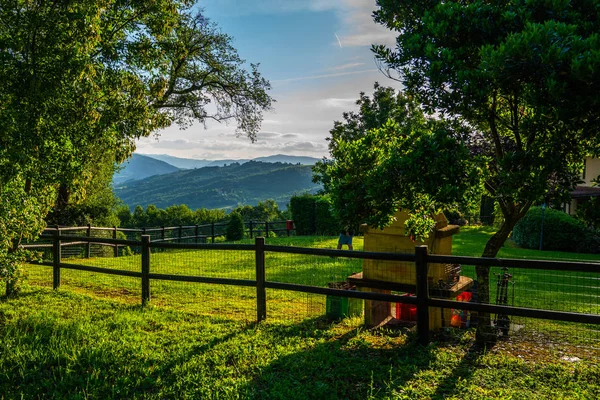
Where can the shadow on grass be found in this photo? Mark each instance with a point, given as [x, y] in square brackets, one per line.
[123, 351]
[349, 366]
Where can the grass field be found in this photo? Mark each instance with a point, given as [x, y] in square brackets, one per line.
[91, 339]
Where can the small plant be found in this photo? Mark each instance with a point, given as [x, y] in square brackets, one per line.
[235, 227]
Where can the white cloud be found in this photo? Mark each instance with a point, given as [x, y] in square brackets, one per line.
[346, 66]
[339, 103]
[304, 78]
[359, 27]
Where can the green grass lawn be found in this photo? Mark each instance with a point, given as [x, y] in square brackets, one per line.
[91, 339]
[65, 345]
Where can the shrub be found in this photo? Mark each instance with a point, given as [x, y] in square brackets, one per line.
[235, 227]
[455, 217]
[561, 232]
[303, 213]
[326, 223]
[313, 215]
[588, 212]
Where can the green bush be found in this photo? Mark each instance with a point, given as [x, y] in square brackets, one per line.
[455, 217]
[325, 224]
[561, 232]
[235, 227]
[313, 215]
[303, 213]
[588, 212]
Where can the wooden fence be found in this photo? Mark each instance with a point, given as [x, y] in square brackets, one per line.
[176, 234]
[422, 299]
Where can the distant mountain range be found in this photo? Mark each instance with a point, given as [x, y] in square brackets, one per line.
[190, 163]
[140, 167]
[219, 187]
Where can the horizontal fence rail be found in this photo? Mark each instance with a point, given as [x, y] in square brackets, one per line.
[176, 233]
[421, 259]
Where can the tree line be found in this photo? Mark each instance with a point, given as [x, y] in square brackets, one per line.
[153, 216]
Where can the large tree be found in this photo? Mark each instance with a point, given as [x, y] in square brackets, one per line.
[85, 78]
[521, 77]
[389, 155]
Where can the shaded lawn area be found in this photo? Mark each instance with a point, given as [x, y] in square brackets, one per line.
[65, 345]
[472, 239]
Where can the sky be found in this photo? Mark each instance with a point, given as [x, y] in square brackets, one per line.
[315, 53]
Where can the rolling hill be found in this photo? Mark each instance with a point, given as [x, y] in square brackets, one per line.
[140, 167]
[191, 163]
[220, 187]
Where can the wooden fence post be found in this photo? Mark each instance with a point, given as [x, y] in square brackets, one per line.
[261, 294]
[180, 234]
[422, 295]
[162, 234]
[88, 250]
[212, 231]
[196, 233]
[266, 228]
[145, 269]
[114, 235]
[56, 256]
[251, 230]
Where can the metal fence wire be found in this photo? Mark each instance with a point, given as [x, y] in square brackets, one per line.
[220, 280]
[238, 302]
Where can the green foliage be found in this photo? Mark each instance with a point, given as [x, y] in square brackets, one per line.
[21, 219]
[325, 221]
[588, 212]
[267, 210]
[371, 177]
[235, 227]
[455, 217]
[561, 232]
[313, 215]
[517, 75]
[171, 216]
[83, 80]
[95, 203]
[302, 208]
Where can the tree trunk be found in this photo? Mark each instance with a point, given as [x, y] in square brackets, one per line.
[485, 332]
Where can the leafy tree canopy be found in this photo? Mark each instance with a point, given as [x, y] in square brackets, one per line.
[82, 79]
[522, 76]
[390, 155]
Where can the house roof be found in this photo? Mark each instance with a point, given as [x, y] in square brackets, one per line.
[585, 191]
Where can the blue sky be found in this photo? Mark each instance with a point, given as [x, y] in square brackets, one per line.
[315, 53]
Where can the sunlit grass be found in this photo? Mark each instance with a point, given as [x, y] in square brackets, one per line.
[60, 344]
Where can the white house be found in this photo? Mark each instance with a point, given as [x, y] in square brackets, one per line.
[585, 190]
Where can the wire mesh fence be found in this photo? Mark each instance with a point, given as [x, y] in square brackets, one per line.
[567, 291]
[104, 284]
[311, 270]
[213, 299]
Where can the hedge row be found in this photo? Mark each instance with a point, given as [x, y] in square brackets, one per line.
[561, 232]
[313, 215]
